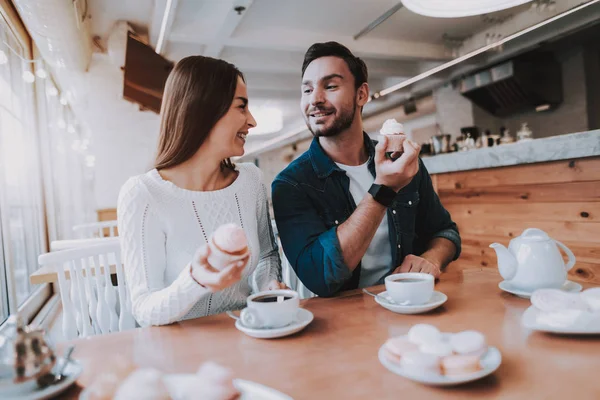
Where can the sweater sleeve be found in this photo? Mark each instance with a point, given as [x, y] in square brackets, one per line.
[144, 256]
[269, 264]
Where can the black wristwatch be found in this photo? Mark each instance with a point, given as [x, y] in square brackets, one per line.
[384, 195]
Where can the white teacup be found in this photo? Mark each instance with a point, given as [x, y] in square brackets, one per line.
[271, 309]
[410, 288]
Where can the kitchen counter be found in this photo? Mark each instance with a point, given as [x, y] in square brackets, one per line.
[563, 147]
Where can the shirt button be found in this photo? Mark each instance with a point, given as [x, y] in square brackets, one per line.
[399, 246]
[336, 222]
[394, 211]
[410, 203]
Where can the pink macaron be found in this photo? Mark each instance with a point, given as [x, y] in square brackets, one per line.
[228, 244]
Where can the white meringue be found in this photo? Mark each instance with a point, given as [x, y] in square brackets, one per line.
[392, 127]
[424, 333]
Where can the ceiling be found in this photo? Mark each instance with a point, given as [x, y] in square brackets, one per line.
[268, 39]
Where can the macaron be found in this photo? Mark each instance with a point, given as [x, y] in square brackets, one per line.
[469, 342]
[144, 383]
[592, 298]
[423, 333]
[230, 239]
[420, 363]
[553, 300]
[228, 244]
[460, 364]
[398, 346]
[437, 348]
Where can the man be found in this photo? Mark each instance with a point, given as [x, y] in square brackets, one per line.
[330, 203]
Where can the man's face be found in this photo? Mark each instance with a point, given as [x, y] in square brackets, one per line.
[329, 98]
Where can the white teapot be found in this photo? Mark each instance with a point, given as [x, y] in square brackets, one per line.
[533, 261]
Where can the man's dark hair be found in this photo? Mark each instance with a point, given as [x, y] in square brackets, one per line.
[357, 66]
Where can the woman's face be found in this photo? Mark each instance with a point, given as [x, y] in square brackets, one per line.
[228, 136]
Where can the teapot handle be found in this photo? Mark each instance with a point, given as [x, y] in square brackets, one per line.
[569, 253]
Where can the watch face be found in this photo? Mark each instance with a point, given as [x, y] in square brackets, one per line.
[382, 194]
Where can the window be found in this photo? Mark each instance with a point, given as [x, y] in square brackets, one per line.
[21, 204]
[46, 174]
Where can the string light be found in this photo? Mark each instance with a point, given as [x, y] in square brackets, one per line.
[52, 91]
[41, 73]
[28, 76]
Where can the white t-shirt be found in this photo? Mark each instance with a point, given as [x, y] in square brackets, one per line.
[378, 259]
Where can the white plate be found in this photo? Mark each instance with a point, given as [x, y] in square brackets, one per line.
[256, 391]
[72, 372]
[569, 286]
[584, 326]
[437, 299]
[249, 390]
[490, 362]
[305, 317]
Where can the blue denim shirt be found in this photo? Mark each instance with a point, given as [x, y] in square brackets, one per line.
[311, 198]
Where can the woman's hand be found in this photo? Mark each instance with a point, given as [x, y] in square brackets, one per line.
[276, 285]
[211, 278]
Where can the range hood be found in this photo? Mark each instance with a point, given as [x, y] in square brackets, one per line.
[519, 85]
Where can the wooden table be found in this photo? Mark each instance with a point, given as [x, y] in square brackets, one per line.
[336, 356]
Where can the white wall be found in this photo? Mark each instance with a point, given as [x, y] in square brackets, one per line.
[123, 139]
[121, 154]
[453, 110]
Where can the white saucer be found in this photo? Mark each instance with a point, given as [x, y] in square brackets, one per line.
[569, 286]
[437, 299]
[589, 324]
[490, 362]
[71, 372]
[249, 390]
[305, 317]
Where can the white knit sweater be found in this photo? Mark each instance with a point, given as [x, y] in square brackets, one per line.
[162, 225]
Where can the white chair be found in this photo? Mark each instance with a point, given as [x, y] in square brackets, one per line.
[57, 245]
[288, 274]
[95, 229]
[89, 298]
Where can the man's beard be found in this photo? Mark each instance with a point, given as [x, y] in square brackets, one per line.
[341, 123]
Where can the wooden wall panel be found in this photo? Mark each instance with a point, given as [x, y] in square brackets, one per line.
[532, 193]
[495, 205]
[587, 169]
[571, 212]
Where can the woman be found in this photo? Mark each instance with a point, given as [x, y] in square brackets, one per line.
[167, 215]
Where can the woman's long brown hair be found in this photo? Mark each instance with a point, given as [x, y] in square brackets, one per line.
[198, 93]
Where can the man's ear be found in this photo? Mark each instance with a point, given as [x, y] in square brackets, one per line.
[362, 94]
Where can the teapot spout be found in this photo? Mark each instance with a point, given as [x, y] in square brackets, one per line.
[507, 263]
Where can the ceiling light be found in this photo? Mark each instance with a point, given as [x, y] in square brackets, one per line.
[483, 49]
[41, 73]
[459, 8]
[542, 107]
[3, 58]
[28, 77]
[163, 27]
[268, 120]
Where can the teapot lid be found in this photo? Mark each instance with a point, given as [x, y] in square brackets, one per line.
[534, 235]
